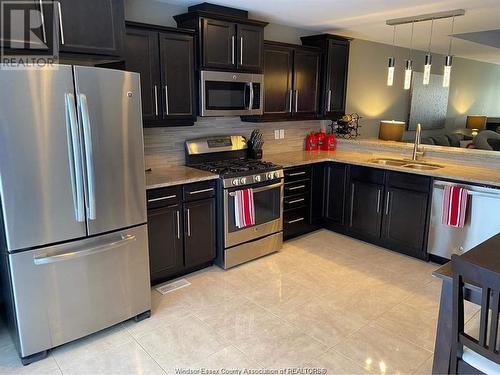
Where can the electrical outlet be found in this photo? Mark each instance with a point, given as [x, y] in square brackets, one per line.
[282, 133]
[277, 134]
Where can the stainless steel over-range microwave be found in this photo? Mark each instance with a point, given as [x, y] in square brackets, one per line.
[231, 94]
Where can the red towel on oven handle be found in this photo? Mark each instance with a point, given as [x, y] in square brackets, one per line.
[245, 211]
[454, 206]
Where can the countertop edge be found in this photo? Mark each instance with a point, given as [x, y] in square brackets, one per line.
[182, 182]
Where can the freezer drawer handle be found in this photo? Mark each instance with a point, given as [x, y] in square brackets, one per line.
[124, 239]
[89, 157]
[75, 161]
[61, 27]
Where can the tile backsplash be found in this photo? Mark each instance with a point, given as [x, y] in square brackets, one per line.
[166, 145]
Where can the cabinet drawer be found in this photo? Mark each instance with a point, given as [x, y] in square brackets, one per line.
[163, 197]
[295, 174]
[199, 190]
[296, 201]
[409, 181]
[295, 188]
[367, 174]
[296, 222]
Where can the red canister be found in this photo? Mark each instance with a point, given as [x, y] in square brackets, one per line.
[311, 142]
[329, 143]
[321, 138]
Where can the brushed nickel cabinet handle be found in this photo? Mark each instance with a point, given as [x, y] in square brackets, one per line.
[162, 198]
[329, 100]
[200, 191]
[241, 50]
[156, 99]
[378, 201]
[188, 217]
[296, 174]
[178, 224]
[291, 98]
[42, 19]
[296, 101]
[387, 203]
[61, 27]
[296, 200]
[352, 204]
[232, 50]
[166, 100]
[296, 187]
[295, 220]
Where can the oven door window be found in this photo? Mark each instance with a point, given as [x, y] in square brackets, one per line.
[267, 205]
[226, 95]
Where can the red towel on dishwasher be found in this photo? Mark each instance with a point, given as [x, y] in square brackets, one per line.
[244, 213]
[454, 206]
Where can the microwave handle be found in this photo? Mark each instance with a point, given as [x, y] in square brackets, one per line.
[251, 96]
[247, 107]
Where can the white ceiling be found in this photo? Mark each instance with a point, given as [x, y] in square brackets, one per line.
[365, 19]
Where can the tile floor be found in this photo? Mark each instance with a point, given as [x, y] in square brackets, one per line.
[324, 301]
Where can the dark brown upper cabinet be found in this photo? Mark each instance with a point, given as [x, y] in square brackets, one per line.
[334, 63]
[226, 42]
[92, 27]
[291, 82]
[164, 57]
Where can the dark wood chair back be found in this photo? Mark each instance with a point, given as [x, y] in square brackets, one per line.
[487, 344]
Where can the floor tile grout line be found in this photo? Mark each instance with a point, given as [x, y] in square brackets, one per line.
[150, 356]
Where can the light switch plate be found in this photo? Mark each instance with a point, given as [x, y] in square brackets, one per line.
[277, 134]
[282, 133]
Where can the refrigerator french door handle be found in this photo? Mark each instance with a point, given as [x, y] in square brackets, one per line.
[75, 157]
[48, 259]
[89, 157]
[61, 26]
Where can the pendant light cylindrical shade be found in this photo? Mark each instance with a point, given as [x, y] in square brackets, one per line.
[427, 69]
[408, 72]
[390, 71]
[447, 71]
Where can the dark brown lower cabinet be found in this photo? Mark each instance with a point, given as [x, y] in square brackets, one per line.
[199, 240]
[181, 230]
[405, 218]
[166, 254]
[365, 207]
[386, 208]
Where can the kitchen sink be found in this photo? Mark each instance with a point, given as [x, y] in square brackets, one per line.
[405, 163]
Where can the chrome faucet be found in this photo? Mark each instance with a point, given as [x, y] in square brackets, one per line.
[416, 147]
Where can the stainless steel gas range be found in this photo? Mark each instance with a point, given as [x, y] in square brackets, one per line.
[227, 157]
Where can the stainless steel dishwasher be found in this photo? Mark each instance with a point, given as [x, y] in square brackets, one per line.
[482, 220]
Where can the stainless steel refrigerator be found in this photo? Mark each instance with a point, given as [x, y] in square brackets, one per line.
[72, 188]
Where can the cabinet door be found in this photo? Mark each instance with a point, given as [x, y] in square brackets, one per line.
[405, 218]
[199, 233]
[305, 81]
[141, 56]
[12, 33]
[219, 44]
[336, 77]
[165, 242]
[250, 47]
[92, 26]
[365, 209]
[278, 68]
[335, 175]
[177, 75]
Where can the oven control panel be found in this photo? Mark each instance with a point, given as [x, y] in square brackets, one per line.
[253, 179]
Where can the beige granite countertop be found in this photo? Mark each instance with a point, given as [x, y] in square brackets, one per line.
[461, 172]
[175, 175]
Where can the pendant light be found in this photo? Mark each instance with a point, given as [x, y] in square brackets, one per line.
[392, 60]
[409, 62]
[449, 59]
[428, 59]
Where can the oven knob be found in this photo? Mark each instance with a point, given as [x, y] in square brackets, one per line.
[257, 178]
[235, 182]
[243, 180]
[270, 176]
[276, 175]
